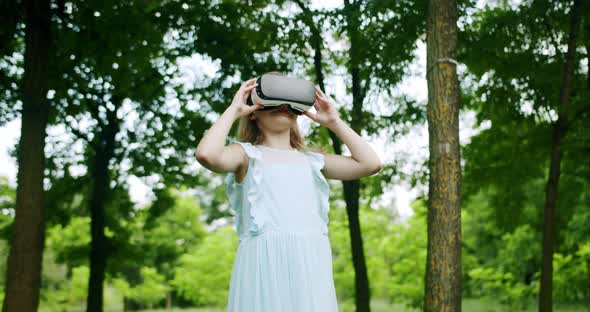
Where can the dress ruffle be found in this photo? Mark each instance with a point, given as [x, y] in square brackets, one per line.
[254, 174]
[317, 163]
[234, 195]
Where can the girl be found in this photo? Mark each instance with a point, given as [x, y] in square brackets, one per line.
[278, 189]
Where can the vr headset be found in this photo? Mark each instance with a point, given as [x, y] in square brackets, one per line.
[274, 90]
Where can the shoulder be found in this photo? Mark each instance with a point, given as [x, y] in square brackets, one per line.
[317, 159]
[236, 148]
[245, 148]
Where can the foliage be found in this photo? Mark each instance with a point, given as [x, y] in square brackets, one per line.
[570, 275]
[71, 294]
[408, 250]
[71, 244]
[203, 275]
[7, 205]
[152, 289]
[490, 282]
[395, 251]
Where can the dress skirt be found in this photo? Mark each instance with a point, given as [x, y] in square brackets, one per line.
[283, 272]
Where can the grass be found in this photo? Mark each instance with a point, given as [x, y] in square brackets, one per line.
[468, 305]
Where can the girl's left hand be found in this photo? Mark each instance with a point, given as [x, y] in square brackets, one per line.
[326, 114]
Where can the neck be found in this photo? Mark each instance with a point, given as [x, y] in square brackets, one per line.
[280, 140]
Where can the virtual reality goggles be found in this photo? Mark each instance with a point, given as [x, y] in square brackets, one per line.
[274, 90]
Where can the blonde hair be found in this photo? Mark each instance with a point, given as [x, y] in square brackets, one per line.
[249, 132]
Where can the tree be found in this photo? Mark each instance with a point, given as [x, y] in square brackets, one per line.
[23, 274]
[528, 76]
[377, 55]
[559, 130]
[443, 264]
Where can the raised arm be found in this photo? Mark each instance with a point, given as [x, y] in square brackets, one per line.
[211, 152]
[363, 162]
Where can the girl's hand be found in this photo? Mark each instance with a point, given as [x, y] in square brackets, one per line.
[326, 114]
[238, 103]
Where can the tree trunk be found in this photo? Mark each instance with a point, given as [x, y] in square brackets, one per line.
[587, 43]
[104, 150]
[559, 131]
[169, 301]
[23, 276]
[351, 188]
[442, 289]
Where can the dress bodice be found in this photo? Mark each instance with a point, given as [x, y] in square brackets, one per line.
[283, 190]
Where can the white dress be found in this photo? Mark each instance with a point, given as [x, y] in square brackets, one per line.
[283, 261]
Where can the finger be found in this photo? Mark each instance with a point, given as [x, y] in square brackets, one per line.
[319, 90]
[319, 105]
[256, 107]
[247, 90]
[325, 101]
[321, 96]
[310, 115]
[247, 82]
[321, 93]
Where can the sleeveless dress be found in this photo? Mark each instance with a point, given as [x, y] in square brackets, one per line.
[283, 261]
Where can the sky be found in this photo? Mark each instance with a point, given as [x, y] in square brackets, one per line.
[413, 147]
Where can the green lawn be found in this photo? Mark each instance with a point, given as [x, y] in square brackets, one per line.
[469, 305]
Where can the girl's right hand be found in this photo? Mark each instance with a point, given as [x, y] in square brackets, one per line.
[239, 101]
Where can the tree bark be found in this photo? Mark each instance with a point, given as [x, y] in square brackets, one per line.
[442, 287]
[23, 276]
[559, 130]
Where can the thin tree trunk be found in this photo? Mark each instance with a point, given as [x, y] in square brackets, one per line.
[559, 131]
[169, 301]
[442, 288]
[104, 151]
[351, 188]
[587, 43]
[23, 276]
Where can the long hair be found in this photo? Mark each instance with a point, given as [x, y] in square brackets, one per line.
[248, 132]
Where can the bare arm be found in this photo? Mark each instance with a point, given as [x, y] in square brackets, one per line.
[363, 162]
[211, 152]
